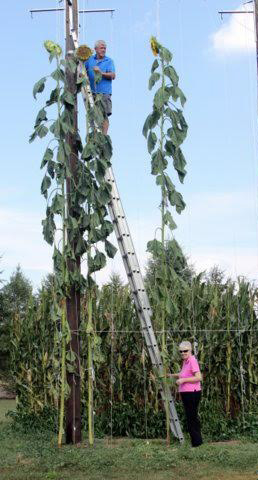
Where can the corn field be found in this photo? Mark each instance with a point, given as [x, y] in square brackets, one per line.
[218, 316]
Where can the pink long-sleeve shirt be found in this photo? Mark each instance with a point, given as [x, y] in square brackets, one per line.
[189, 368]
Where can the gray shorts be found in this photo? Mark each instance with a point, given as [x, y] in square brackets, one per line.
[106, 102]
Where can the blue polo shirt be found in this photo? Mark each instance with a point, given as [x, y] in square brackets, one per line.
[105, 64]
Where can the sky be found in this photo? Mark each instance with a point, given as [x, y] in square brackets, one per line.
[216, 63]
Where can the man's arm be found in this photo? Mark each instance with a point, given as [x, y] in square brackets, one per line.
[108, 75]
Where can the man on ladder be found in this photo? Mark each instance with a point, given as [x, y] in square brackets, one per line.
[104, 66]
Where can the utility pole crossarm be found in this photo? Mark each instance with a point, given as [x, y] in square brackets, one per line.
[222, 12]
[96, 10]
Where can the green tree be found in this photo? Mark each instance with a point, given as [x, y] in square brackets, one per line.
[4, 337]
[47, 284]
[175, 260]
[18, 291]
[14, 297]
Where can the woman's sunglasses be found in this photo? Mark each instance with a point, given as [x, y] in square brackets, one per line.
[183, 351]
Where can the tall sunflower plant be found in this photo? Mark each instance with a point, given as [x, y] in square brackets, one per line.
[165, 129]
[94, 120]
[82, 214]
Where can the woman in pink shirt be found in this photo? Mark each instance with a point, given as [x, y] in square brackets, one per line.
[189, 382]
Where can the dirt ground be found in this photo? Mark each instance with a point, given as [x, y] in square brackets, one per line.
[233, 476]
[4, 394]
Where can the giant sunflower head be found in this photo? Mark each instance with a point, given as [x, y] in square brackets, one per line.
[83, 53]
[154, 46]
[52, 47]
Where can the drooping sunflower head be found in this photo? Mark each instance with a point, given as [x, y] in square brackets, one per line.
[52, 47]
[83, 53]
[154, 46]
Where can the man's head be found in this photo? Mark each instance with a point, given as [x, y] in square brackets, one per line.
[100, 47]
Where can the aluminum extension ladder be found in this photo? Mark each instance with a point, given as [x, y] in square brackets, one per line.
[135, 279]
[140, 296]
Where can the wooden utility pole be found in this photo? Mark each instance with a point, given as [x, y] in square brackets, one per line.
[73, 403]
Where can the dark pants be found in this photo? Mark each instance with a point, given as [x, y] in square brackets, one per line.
[191, 401]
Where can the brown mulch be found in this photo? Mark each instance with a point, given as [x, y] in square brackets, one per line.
[5, 395]
[226, 442]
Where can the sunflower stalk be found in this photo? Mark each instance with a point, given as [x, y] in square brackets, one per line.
[163, 147]
[63, 301]
[229, 354]
[63, 375]
[164, 267]
[90, 371]
[250, 352]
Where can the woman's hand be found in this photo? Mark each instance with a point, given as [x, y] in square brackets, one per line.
[173, 375]
[180, 381]
[197, 378]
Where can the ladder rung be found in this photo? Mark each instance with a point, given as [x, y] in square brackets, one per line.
[132, 273]
[121, 238]
[125, 255]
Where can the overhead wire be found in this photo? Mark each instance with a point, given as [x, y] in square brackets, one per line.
[158, 19]
[240, 330]
[139, 225]
[254, 139]
[229, 142]
[59, 35]
[227, 134]
[112, 329]
[145, 388]
[181, 39]
[83, 23]
[240, 338]
[253, 120]
[112, 34]
[112, 374]
[253, 100]
[172, 330]
[241, 368]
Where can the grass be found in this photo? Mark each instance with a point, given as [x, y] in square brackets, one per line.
[37, 457]
[5, 405]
